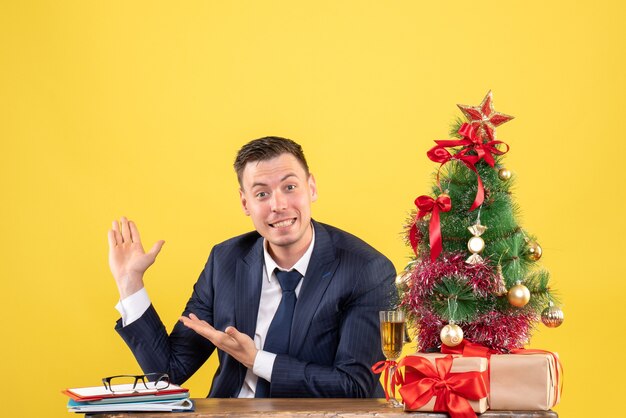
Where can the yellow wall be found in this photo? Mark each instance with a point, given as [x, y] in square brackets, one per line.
[137, 108]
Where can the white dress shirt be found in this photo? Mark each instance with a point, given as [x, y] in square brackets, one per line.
[132, 307]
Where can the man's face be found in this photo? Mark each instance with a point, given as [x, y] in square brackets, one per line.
[277, 195]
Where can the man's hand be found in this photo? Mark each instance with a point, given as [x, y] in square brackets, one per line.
[127, 259]
[235, 343]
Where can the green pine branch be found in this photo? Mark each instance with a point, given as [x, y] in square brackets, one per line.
[453, 300]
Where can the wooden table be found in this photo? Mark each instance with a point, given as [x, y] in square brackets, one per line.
[312, 408]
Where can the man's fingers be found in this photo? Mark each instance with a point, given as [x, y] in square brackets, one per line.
[233, 342]
[116, 232]
[111, 236]
[190, 323]
[125, 231]
[220, 339]
[134, 232]
[201, 322]
[156, 248]
[186, 321]
[196, 323]
[232, 332]
[238, 337]
[203, 329]
[242, 345]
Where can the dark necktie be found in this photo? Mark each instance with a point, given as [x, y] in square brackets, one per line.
[277, 339]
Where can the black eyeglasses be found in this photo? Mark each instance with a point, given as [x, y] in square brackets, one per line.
[126, 383]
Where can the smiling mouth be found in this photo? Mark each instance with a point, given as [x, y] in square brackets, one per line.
[283, 224]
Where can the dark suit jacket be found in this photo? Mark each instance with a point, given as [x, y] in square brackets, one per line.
[335, 336]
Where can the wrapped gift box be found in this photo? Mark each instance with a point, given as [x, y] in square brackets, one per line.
[523, 382]
[459, 365]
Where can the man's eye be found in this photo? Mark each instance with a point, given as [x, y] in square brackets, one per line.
[261, 195]
[291, 187]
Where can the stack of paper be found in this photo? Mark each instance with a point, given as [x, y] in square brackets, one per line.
[126, 398]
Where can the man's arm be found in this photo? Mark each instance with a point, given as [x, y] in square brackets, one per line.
[182, 352]
[179, 354]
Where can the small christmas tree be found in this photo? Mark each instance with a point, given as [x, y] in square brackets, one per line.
[474, 274]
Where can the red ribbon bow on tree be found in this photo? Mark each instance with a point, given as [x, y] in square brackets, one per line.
[472, 141]
[451, 389]
[425, 205]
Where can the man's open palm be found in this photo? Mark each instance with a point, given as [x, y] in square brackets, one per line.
[127, 259]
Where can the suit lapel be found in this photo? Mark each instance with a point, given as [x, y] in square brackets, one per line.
[318, 276]
[249, 276]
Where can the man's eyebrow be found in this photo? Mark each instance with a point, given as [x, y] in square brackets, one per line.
[287, 176]
[258, 183]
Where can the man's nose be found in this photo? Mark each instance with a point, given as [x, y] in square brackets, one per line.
[279, 201]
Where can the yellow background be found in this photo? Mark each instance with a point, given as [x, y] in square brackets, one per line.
[135, 108]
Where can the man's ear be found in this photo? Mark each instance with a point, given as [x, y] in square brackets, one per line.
[312, 187]
[244, 202]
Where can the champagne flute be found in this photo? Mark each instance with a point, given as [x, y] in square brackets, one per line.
[392, 333]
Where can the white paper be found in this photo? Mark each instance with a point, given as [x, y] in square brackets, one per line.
[94, 391]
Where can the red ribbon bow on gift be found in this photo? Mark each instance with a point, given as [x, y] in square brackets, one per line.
[386, 365]
[468, 349]
[451, 389]
[425, 205]
[472, 141]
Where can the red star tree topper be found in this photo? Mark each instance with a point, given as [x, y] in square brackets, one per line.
[484, 117]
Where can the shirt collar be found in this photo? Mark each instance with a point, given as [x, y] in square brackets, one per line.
[301, 265]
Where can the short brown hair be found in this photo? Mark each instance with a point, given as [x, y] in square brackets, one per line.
[266, 148]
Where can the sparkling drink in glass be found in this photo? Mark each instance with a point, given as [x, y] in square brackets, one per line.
[392, 338]
[392, 334]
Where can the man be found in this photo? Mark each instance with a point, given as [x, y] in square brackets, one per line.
[317, 340]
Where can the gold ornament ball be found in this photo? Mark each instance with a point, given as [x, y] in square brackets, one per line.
[504, 174]
[533, 251]
[519, 295]
[451, 335]
[444, 194]
[552, 316]
[476, 245]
